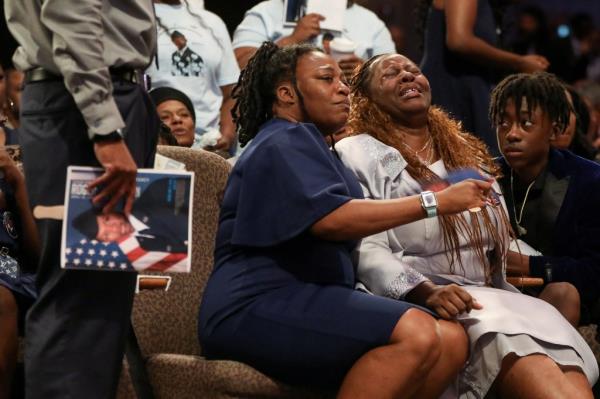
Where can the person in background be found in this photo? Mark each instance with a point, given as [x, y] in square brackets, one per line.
[83, 104]
[9, 103]
[176, 111]
[6, 133]
[20, 247]
[12, 87]
[194, 56]
[590, 94]
[583, 48]
[178, 120]
[552, 195]
[264, 22]
[3, 116]
[462, 59]
[452, 264]
[574, 138]
[281, 297]
[532, 35]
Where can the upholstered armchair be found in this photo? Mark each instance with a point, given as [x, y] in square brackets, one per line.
[165, 322]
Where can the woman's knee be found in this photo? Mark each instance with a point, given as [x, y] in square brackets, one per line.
[565, 298]
[562, 292]
[454, 340]
[419, 334]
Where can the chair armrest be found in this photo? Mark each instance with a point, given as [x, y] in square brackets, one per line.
[520, 282]
[150, 282]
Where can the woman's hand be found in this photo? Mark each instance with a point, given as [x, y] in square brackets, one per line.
[446, 300]
[532, 63]
[459, 197]
[517, 264]
[307, 28]
[451, 300]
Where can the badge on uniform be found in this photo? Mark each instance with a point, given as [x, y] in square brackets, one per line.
[9, 224]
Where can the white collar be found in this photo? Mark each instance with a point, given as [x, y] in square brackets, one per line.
[137, 224]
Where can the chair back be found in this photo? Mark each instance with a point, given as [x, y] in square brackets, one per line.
[166, 322]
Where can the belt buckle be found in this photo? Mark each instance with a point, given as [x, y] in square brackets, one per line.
[4, 251]
[137, 76]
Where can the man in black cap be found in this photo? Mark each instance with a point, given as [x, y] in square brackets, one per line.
[158, 220]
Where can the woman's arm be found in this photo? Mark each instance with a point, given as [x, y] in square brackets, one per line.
[360, 218]
[460, 38]
[307, 28]
[31, 242]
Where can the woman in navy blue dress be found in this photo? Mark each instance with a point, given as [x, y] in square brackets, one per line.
[281, 297]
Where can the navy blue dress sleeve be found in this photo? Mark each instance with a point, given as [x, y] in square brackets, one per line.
[288, 182]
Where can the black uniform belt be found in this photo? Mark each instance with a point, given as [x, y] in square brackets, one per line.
[40, 74]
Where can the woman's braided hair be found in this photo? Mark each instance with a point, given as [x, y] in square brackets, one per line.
[457, 148]
[540, 89]
[255, 91]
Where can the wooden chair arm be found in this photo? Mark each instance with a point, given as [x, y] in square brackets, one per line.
[520, 282]
[153, 283]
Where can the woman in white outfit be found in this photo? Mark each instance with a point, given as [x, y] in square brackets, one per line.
[455, 266]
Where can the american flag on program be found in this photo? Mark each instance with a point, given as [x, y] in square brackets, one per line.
[94, 255]
[141, 259]
[126, 255]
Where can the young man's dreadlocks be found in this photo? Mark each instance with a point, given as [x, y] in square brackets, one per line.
[540, 89]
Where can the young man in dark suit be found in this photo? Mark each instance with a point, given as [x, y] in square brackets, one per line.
[552, 196]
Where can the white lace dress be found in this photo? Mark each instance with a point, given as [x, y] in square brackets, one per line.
[394, 262]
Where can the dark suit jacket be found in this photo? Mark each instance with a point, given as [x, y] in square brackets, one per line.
[575, 205]
[163, 207]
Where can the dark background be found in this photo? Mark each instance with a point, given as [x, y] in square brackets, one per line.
[393, 12]
[401, 14]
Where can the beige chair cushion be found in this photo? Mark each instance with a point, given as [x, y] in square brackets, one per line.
[181, 377]
[589, 334]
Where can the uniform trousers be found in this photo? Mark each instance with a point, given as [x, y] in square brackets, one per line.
[75, 332]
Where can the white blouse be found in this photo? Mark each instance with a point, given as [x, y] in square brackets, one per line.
[393, 262]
